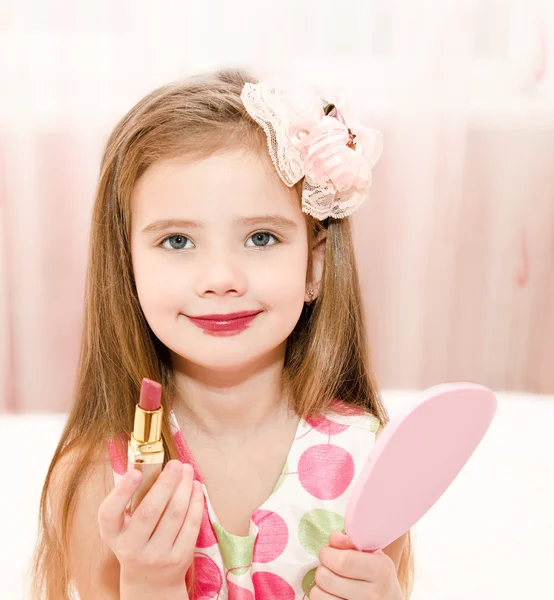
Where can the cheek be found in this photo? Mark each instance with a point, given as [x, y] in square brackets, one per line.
[283, 293]
[282, 278]
[278, 281]
[159, 289]
[279, 288]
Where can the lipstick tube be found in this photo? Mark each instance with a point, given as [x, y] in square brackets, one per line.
[145, 450]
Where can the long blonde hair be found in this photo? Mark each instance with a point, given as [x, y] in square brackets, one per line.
[327, 354]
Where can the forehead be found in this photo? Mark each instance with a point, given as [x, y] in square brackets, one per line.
[223, 185]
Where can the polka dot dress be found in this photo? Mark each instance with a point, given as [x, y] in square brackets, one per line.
[278, 558]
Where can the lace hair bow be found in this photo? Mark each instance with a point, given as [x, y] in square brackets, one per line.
[309, 137]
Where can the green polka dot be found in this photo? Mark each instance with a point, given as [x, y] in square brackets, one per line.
[282, 478]
[374, 425]
[315, 529]
[308, 582]
[236, 550]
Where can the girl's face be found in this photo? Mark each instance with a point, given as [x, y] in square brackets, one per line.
[217, 236]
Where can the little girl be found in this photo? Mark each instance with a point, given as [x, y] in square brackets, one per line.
[222, 266]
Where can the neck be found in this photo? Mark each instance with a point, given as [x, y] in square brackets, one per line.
[242, 402]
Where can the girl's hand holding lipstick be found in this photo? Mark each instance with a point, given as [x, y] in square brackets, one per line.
[155, 544]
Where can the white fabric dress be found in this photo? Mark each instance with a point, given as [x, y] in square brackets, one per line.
[277, 560]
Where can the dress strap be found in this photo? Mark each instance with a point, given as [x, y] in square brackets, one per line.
[117, 451]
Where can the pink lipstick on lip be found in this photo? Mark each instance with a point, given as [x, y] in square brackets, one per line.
[228, 324]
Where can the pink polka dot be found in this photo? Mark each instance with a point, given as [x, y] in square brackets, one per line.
[268, 586]
[273, 536]
[325, 426]
[346, 409]
[208, 580]
[238, 593]
[325, 471]
[206, 536]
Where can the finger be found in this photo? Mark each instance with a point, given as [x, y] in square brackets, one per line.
[316, 593]
[111, 514]
[174, 515]
[338, 586]
[348, 563]
[148, 513]
[187, 536]
[340, 541]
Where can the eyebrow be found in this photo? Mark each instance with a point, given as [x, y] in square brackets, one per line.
[275, 220]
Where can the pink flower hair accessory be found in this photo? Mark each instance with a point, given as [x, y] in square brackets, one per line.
[309, 137]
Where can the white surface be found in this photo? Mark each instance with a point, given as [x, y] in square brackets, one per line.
[490, 536]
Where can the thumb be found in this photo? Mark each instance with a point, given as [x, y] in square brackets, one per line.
[339, 541]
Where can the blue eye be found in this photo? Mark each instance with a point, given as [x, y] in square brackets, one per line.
[177, 242]
[261, 237]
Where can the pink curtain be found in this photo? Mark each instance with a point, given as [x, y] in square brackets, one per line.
[456, 245]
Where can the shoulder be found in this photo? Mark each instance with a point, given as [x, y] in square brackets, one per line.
[92, 564]
[96, 478]
[352, 416]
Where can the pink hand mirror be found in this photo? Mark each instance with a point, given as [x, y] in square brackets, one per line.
[417, 456]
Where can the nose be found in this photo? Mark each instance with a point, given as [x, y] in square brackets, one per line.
[221, 274]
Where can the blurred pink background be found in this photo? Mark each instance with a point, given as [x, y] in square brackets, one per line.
[456, 245]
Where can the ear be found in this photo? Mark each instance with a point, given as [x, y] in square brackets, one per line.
[313, 281]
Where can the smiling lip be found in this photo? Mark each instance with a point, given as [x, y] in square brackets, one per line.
[235, 322]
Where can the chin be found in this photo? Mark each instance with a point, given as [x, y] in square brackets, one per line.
[230, 359]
